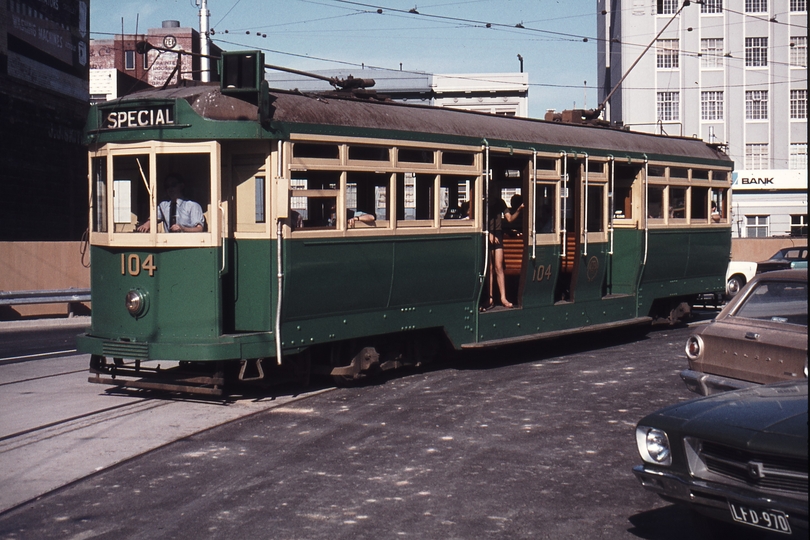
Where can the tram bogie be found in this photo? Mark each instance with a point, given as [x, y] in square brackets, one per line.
[344, 237]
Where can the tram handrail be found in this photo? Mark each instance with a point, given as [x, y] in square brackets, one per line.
[50, 296]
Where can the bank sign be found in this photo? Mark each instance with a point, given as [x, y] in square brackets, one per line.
[769, 180]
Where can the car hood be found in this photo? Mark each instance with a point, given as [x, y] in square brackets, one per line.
[771, 418]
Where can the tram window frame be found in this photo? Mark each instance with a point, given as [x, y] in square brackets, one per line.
[449, 186]
[659, 217]
[547, 236]
[681, 173]
[149, 152]
[675, 204]
[596, 218]
[423, 200]
[452, 159]
[626, 194]
[99, 193]
[415, 157]
[365, 153]
[323, 189]
[720, 197]
[194, 170]
[368, 188]
[699, 198]
[132, 175]
[700, 174]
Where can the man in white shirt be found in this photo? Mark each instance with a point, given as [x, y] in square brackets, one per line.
[177, 214]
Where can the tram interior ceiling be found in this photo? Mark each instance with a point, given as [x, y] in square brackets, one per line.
[354, 236]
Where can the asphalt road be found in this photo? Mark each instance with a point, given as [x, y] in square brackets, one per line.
[531, 442]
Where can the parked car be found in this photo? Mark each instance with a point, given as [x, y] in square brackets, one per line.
[739, 457]
[793, 257]
[738, 274]
[759, 337]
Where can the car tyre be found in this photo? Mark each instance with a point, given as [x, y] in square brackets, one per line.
[735, 283]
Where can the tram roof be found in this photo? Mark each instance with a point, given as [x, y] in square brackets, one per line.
[335, 114]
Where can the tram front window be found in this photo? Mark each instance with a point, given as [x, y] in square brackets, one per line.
[183, 183]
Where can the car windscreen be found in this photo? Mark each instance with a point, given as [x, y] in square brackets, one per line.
[778, 301]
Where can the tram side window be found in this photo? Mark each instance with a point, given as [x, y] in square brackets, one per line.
[455, 199]
[367, 193]
[130, 183]
[677, 202]
[314, 198]
[595, 218]
[545, 196]
[623, 191]
[98, 176]
[719, 206]
[414, 198]
[699, 207]
[655, 198]
[187, 177]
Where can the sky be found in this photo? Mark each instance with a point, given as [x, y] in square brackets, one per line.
[557, 40]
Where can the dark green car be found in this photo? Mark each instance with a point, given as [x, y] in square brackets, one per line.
[738, 457]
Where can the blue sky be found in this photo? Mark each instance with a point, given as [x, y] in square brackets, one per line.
[445, 36]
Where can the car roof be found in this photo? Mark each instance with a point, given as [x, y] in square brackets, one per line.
[796, 274]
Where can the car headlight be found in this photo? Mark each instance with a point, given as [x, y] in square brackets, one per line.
[653, 446]
[694, 347]
[135, 302]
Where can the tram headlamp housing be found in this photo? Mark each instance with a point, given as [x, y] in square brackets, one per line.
[653, 446]
[136, 302]
[694, 347]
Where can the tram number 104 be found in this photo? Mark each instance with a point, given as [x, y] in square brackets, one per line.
[131, 264]
[542, 272]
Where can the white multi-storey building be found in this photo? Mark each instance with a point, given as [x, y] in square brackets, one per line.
[732, 72]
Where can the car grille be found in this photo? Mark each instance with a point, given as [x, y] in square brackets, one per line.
[764, 471]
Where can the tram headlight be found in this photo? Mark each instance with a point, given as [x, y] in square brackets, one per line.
[653, 446]
[694, 347]
[136, 301]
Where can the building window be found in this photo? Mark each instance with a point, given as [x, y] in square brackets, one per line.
[711, 105]
[798, 51]
[798, 225]
[756, 156]
[798, 103]
[756, 226]
[129, 60]
[756, 52]
[756, 6]
[668, 106]
[711, 6]
[756, 105]
[667, 54]
[798, 156]
[666, 7]
[798, 5]
[711, 53]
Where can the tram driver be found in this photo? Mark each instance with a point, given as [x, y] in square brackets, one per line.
[176, 213]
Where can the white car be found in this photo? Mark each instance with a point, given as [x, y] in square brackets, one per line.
[737, 275]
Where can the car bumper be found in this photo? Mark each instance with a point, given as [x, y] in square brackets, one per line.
[706, 384]
[712, 499]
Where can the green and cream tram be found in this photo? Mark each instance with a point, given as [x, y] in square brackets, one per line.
[285, 279]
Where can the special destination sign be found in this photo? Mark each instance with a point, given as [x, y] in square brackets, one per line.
[139, 118]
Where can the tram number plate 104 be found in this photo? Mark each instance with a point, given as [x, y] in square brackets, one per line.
[773, 520]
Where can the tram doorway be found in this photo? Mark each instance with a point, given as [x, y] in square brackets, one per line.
[507, 195]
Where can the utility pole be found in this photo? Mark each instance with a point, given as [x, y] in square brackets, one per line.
[205, 49]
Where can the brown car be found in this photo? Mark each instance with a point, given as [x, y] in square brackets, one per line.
[759, 337]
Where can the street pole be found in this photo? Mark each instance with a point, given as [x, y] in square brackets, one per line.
[205, 63]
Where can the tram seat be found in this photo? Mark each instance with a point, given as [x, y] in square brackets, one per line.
[512, 255]
[567, 262]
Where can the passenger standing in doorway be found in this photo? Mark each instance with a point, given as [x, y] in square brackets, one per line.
[498, 211]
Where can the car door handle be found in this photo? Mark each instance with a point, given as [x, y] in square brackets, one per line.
[751, 335]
